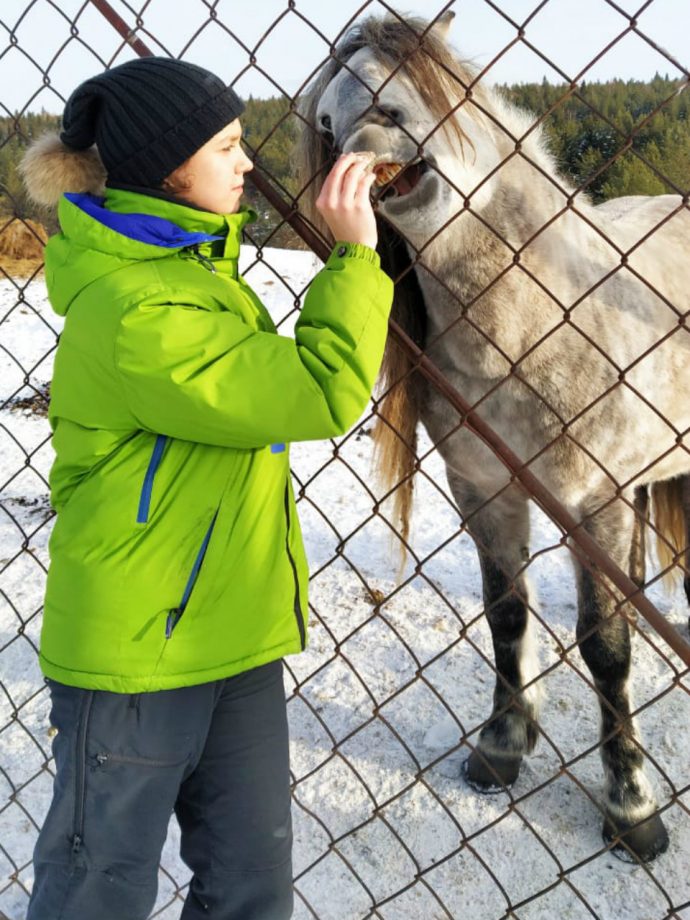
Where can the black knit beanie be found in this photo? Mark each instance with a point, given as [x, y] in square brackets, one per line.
[148, 116]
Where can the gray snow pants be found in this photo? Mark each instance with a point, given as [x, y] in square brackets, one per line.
[216, 754]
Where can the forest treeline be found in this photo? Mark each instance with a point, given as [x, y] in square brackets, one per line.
[586, 130]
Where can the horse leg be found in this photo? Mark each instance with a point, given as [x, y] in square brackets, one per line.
[501, 532]
[604, 639]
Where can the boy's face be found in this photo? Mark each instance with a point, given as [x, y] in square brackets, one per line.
[215, 173]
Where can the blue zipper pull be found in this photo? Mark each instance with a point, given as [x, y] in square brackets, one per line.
[171, 621]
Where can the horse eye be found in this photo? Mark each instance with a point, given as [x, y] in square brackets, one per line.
[326, 122]
[395, 114]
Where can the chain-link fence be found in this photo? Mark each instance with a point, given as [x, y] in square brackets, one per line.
[541, 340]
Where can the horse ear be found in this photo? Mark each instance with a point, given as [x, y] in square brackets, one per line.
[441, 27]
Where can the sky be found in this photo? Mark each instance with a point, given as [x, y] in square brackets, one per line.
[568, 32]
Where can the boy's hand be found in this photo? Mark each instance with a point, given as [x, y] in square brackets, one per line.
[344, 201]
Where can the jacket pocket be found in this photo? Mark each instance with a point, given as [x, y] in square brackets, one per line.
[174, 615]
[147, 487]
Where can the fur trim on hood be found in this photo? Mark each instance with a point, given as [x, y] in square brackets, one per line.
[49, 169]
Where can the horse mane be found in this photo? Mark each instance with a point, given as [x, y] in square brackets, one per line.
[409, 44]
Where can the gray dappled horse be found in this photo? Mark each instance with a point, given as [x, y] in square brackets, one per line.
[538, 314]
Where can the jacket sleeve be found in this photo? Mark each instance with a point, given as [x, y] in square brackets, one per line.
[208, 376]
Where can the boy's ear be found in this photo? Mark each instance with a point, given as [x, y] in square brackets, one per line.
[49, 169]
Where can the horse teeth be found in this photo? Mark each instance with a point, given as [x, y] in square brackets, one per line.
[386, 172]
[383, 165]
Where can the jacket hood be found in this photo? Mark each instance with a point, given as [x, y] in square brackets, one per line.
[100, 234]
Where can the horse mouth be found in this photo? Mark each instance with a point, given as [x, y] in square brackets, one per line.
[395, 180]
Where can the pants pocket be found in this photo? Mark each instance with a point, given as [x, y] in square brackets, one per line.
[105, 759]
[118, 757]
[80, 771]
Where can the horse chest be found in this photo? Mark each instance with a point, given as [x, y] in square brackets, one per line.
[515, 418]
[478, 342]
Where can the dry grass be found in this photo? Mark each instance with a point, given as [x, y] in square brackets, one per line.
[19, 268]
[21, 246]
[22, 239]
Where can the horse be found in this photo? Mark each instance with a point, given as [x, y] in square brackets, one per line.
[562, 322]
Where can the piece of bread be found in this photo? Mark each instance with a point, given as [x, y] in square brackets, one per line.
[383, 164]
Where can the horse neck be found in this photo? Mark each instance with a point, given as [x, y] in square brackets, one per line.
[510, 210]
[526, 190]
[481, 242]
[478, 247]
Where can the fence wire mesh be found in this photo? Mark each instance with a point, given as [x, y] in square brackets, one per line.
[394, 691]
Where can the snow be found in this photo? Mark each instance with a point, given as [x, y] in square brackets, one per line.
[384, 701]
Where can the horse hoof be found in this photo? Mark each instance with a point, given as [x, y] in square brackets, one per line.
[491, 774]
[643, 841]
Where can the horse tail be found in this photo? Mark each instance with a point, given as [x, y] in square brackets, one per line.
[671, 504]
[398, 408]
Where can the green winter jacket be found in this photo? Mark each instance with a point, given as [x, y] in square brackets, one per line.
[176, 555]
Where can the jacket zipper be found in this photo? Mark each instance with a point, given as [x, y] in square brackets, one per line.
[297, 607]
[207, 263]
[174, 615]
[147, 488]
[80, 773]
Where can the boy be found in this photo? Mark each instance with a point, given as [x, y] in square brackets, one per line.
[178, 579]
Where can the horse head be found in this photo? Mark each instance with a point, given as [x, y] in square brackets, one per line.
[395, 87]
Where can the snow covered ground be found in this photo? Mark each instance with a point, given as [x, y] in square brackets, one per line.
[386, 699]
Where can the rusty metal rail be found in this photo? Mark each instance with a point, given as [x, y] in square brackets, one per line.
[589, 552]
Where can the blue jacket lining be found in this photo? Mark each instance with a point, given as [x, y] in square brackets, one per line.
[144, 228]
